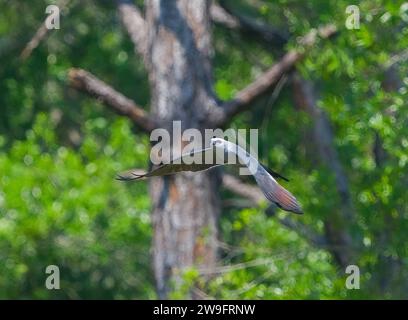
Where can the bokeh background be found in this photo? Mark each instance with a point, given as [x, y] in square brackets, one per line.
[60, 151]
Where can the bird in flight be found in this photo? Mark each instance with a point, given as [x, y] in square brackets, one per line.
[219, 153]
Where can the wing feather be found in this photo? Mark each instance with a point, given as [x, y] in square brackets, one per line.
[174, 166]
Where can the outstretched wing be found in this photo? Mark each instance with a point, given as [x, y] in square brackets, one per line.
[275, 193]
[177, 165]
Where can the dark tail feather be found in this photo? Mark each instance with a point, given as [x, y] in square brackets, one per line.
[275, 174]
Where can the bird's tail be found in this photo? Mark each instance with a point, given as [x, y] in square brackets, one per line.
[275, 193]
[285, 200]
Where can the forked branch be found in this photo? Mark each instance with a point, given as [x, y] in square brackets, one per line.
[244, 98]
[39, 35]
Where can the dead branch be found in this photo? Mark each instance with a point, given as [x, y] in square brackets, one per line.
[263, 83]
[40, 34]
[34, 42]
[135, 25]
[242, 189]
[237, 266]
[221, 16]
[88, 83]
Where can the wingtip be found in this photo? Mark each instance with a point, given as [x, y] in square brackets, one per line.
[298, 211]
[295, 207]
[120, 178]
[129, 176]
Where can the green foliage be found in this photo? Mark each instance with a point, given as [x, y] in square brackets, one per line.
[62, 206]
[267, 261]
[60, 151]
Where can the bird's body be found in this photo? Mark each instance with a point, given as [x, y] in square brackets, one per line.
[223, 152]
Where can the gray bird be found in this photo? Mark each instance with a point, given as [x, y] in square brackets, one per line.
[221, 152]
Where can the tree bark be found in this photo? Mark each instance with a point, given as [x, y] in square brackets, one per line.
[174, 39]
[185, 206]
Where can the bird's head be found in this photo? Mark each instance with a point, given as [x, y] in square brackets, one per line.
[217, 142]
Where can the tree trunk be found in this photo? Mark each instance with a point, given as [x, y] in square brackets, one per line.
[174, 39]
[337, 225]
[185, 206]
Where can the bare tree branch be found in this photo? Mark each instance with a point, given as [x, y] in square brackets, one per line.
[34, 42]
[223, 16]
[88, 83]
[40, 34]
[256, 196]
[242, 189]
[135, 25]
[263, 83]
[237, 266]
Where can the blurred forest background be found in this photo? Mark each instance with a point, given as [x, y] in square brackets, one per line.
[60, 150]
